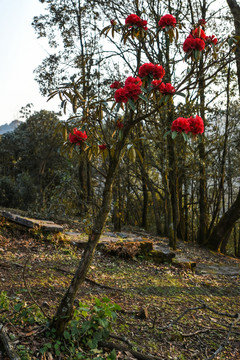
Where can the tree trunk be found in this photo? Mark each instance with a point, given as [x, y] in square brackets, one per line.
[145, 203]
[65, 310]
[222, 230]
[84, 184]
[235, 10]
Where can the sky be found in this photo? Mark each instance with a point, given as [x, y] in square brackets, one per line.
[21, 53]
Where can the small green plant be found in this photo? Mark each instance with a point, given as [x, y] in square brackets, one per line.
[89, 326]
[23, 352]
[4, 301]
[19, 311]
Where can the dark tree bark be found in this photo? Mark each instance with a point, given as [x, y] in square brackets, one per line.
[235, 10]
[222, 230]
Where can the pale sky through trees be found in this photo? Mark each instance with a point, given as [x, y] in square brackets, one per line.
[21, 52]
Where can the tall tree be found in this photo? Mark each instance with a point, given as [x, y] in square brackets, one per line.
[223, 229]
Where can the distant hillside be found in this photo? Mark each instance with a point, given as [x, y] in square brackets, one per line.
[9, 127]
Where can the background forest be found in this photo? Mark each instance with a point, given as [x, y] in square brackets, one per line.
[159, 181]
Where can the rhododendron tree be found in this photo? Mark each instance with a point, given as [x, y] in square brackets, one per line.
[146, 92]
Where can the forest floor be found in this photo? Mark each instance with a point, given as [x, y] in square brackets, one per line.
[168, 311]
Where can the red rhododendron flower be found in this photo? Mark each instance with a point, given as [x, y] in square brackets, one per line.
[133, 80]
[156, 83]
[167, 20]
[166, 89]
[193, 44]
[196, 125]
[134, 19]
[202, 22]
[199, 33]
[121, 95]
[119, 124]
[77, 137]
[188, 44]
[116, 85]
[211, 39]
[199, 44]
[157, 71]
[180, 124]
[102, 147]
[133, 90]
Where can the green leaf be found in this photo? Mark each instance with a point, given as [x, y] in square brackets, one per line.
[143, 97]
[132, 104]
[180, 94]
[118, 107]
[174, 134]
[197, 54]
[120, 134]
[144, 90]
[113, 355]
[66, 335]
[167, 133]
[18, 307]
[132, 154]
[185, 136]
[167, 97]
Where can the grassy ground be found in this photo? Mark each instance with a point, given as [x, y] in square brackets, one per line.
[37, 269]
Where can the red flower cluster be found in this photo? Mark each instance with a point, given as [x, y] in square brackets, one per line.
[199, 33]
[167, 20]
[77, 137]
[116, 85]
[211, 39]
[133, 80]
[102, 147]
[167, 89]
[198, 39]
[180, 124]
[196, 125]
[131, 90]
[119, 124]
[157, 71]
[201, 22]
[133, 19]
[192, 43]
[155, 84]
[193, 125]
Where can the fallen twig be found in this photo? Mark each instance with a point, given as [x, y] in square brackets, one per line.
[29, 292]
[222, 346]
[126, 341]
[7, 345]
[173, 322]
[90, 281]
[136, 354]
